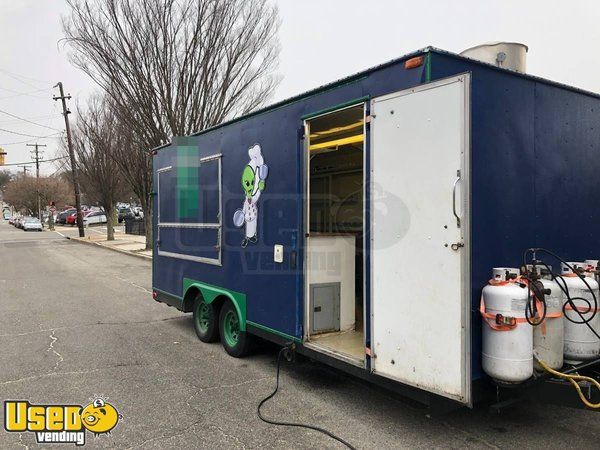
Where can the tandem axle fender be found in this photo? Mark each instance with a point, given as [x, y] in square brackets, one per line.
[211, 293]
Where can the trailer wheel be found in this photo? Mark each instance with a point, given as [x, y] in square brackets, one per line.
[205, 320]
[235, 341]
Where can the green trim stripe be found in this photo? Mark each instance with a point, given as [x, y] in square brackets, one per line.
[353, 102]
[271, 330]
[211, 292]
[428, 67]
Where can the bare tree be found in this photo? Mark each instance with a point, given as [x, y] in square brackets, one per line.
[172, 67]
[95, 141]
[22, 192]
[5, 177]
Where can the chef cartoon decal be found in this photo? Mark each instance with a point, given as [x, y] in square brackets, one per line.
[253, 183]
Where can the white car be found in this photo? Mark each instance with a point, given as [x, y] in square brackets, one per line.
[138, 211]
[94, 217]
[32, 223]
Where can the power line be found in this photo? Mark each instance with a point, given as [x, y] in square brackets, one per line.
[37, 80]
[46, 116]
[28, 94]
[28, 121]
[22, 79]
[31, 162]
[21, 134]
[62, 164]
[31, 140]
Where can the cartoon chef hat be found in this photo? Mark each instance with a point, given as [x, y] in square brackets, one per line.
[256, 157]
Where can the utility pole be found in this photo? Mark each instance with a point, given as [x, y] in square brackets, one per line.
[37, 158]
[25, 169]
[66, 113]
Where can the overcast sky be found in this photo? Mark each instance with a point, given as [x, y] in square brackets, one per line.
[322, 40]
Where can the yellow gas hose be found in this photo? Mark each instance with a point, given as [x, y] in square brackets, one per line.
[573, 379]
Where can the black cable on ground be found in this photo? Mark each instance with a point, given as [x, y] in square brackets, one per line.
[294, 424]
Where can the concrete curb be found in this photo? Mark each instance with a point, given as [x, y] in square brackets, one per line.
[126, 252]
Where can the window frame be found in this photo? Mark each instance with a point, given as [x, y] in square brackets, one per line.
[216, 225]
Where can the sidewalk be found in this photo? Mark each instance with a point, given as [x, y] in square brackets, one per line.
[124, 243]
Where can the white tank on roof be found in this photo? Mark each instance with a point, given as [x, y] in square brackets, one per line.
[508, 55]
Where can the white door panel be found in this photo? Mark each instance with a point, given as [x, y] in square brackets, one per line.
[420, 302]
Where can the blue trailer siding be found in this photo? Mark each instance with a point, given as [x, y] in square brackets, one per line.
[535, 157]
[274, 291]
[567, 131]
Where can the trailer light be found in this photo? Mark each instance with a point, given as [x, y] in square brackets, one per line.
[154, 295]
[414, 62]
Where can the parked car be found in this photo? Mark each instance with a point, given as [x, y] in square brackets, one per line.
[72, 219]
[94, 217]
[11, 221]
[124, 213]
[32, 224]
[19, 222]
[6, 214]
[62, 217]
[138, 211]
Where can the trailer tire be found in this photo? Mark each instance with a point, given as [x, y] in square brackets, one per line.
[236, 342]
[206, 321]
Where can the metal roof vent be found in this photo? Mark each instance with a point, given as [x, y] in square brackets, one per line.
[508, 55]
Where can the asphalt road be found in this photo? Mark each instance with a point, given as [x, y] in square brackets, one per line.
[78, 320]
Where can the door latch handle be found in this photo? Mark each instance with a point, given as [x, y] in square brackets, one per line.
[454, 198]
[456, 246]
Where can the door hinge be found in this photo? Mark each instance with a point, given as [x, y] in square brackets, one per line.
[369, 118]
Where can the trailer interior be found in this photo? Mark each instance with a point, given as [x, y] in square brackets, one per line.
[335, 212]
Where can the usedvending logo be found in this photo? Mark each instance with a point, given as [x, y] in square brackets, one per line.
[61, 424]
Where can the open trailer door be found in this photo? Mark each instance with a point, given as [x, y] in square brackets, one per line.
[420, 249]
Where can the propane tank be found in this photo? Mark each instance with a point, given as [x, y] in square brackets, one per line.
[507, 354]
[581, 343]
[591, 269]
[548, 336]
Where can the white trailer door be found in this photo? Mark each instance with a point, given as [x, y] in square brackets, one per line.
[420, 299]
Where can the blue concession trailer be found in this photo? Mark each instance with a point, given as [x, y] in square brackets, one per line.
[361, 220]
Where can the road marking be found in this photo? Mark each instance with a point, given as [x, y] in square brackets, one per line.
[58, 232]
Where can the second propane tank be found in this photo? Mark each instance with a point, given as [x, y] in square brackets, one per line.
[507, 353]
[591, 269]
[580, 342]
[548, 336]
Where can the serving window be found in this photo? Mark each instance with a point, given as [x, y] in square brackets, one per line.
[189, 210]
